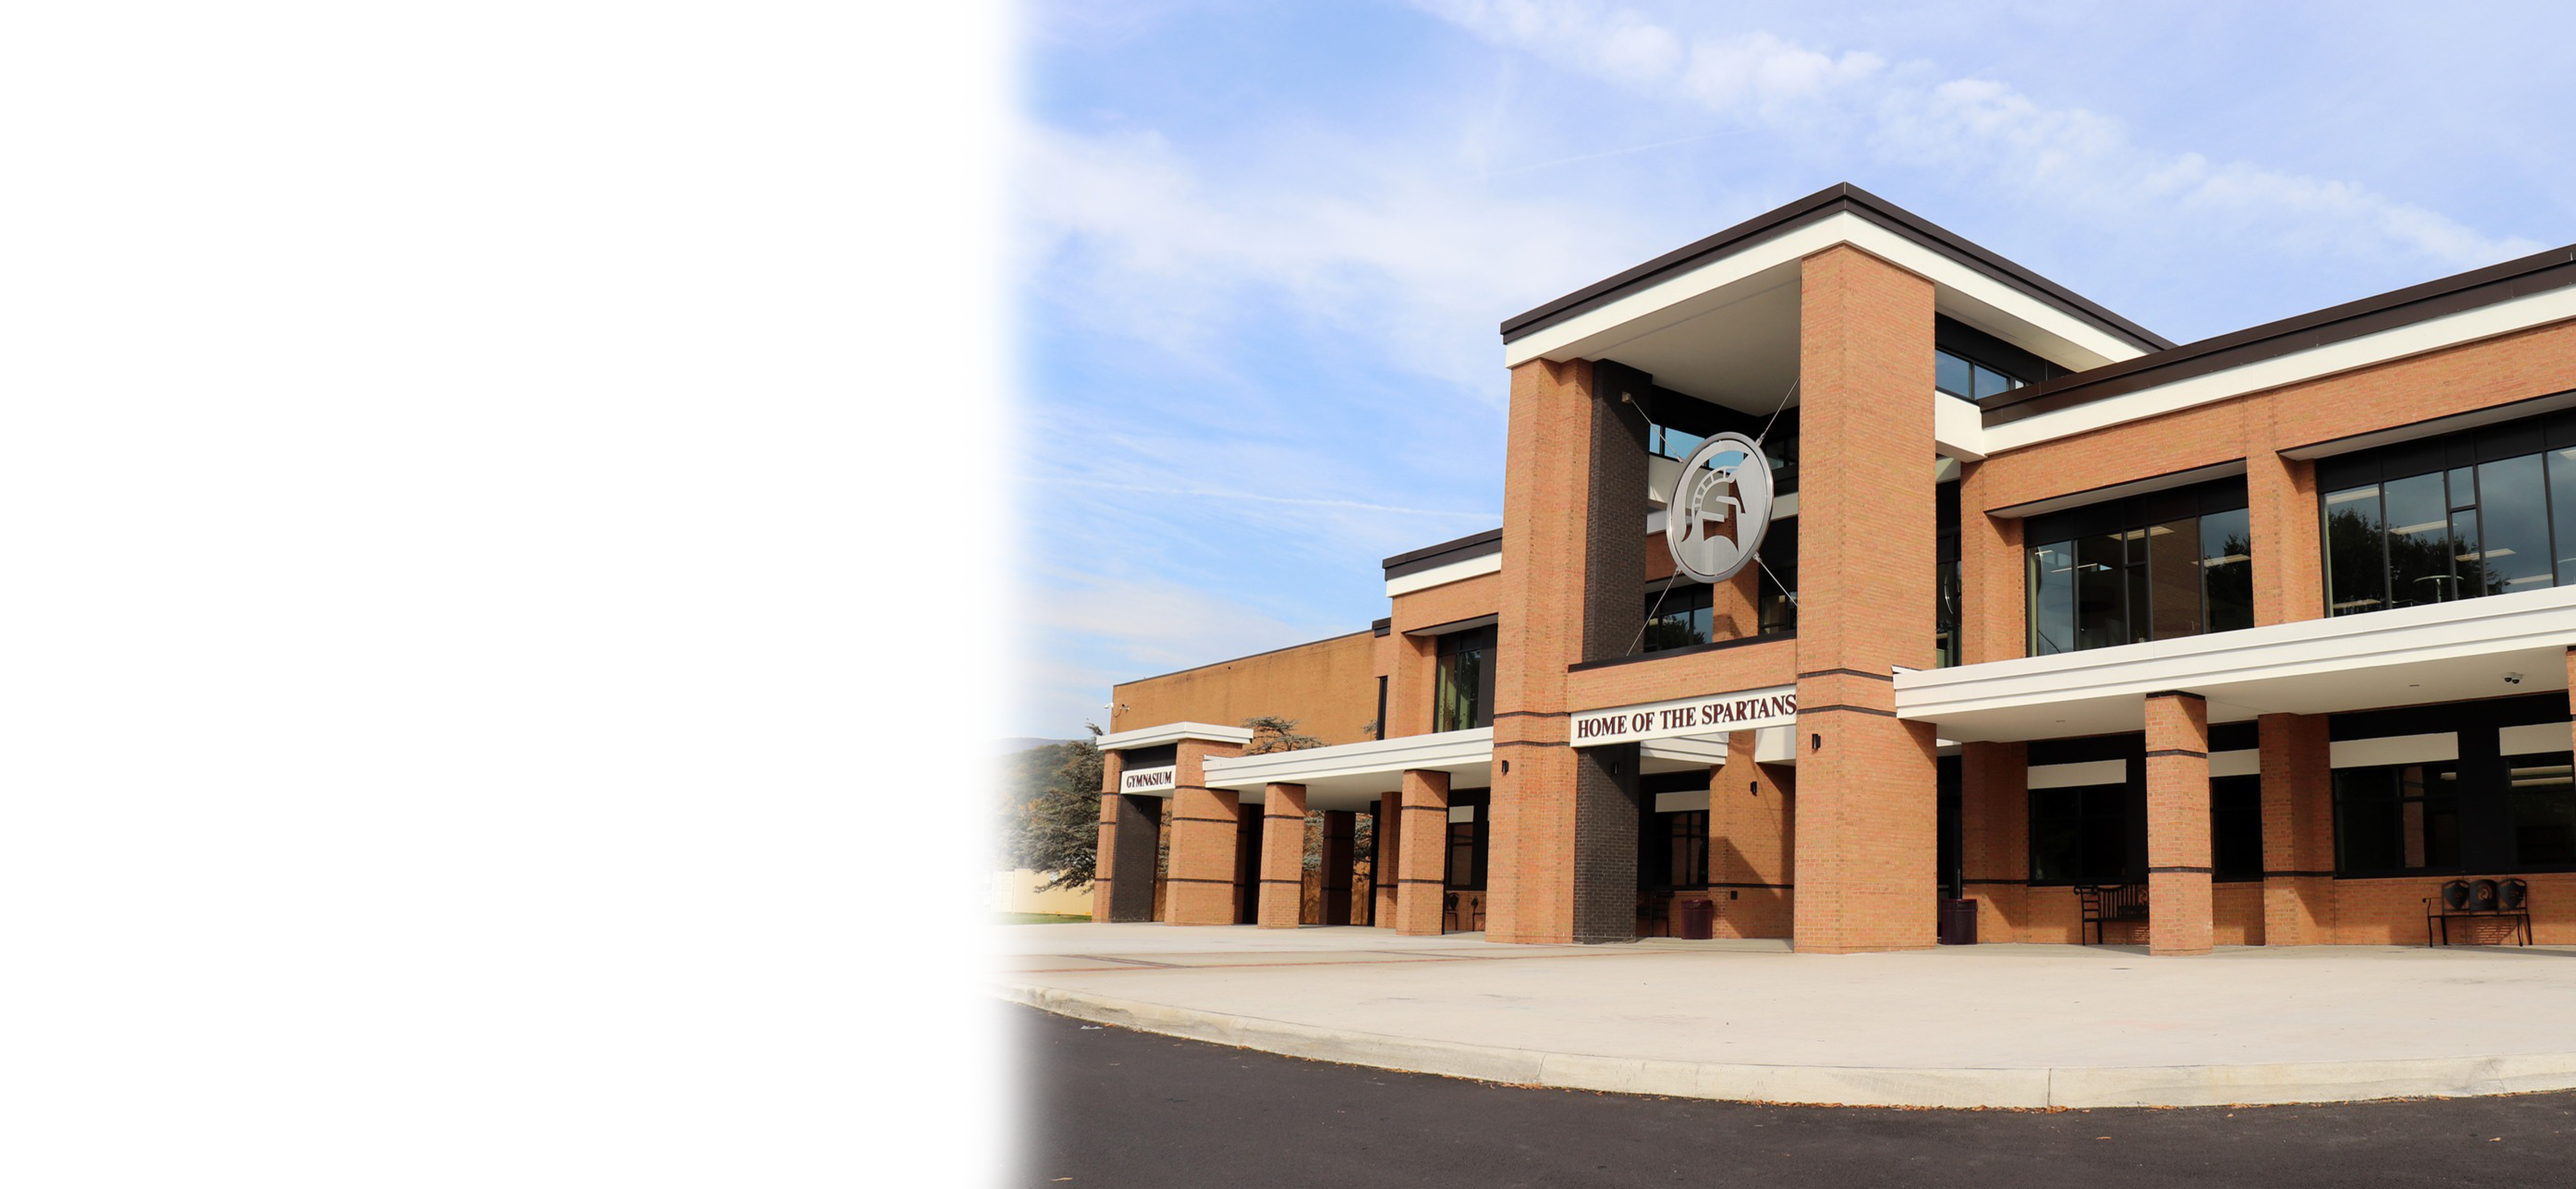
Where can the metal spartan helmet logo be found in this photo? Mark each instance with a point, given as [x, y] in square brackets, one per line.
[1721, 507]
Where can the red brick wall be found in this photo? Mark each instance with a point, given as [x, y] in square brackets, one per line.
[1205, 825]
[2178, 883]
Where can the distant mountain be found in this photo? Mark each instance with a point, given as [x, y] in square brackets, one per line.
[1021, 773]
[1016, 746]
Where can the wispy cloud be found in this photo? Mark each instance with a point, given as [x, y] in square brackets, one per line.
[1980, 129]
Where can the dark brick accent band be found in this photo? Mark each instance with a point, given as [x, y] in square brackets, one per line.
[2178, 751]
[2178, 871]
[1888, 677]
[1804, 711]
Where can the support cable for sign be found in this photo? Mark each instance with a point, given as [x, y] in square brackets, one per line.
[1765, 435]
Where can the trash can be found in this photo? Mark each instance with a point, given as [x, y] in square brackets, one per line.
[1958, 922]
[1699, 919]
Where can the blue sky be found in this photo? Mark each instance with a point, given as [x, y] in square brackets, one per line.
[1260, 251]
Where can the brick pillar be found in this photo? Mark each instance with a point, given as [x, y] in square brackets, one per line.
[1206, 825]
[1867, 845]
[1994, 836]
[2178, 895]
[2281, 511]
[1422, 867]
[1283, 856]
[1339, 825]
[1748, 842]
[1609, 804]
[2298, 830]
[1389, 830]
[1529, 873]
[1104, 861]
[1992, 601]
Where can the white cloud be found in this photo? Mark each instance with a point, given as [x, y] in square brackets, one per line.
[1987, 131]
[1411, 259]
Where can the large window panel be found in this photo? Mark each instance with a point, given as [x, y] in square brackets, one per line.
[2356, 552]
[2562, 511]
[2079, 835]
[2543, 804]
[2052, 598]
[2101, 591]
[2419, 541]
[2172, 570]
[2236, 827]
[2513, 509]
[1462, 696]
[2396, 820]
[2227, 571]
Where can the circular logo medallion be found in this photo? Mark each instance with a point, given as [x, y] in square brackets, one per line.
[1721, 507]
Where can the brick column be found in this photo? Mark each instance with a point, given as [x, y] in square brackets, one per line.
[1283, 856]
[1206, 823]
[1867, 845]
[1339, 824]
[2281, 512]
[1748, 842]
[1422, 868]
[2178, 895]
[2298, 830]
[1992, 599]
[1388, 827]
[1994, 836]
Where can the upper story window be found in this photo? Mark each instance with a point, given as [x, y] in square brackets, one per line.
[2488, 512]
[1946, 619]
[1968, 362]
[2151, 567]
[1677, 617]
[1462, 697]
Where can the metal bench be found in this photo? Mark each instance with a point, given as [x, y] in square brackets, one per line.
[2103, 903]
[2461, 899]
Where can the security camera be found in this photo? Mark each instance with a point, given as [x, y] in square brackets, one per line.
[2513, 679]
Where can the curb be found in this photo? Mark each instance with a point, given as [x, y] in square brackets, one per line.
[1840, 1085]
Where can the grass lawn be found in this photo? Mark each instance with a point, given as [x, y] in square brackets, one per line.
[1039, 918]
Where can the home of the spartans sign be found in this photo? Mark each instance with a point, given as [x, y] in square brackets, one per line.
[1713, 715]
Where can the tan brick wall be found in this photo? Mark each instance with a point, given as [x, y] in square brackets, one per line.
[1865, 846]
[1329, 687]
[1205, 826]
[1530, 878]
[1751, 824]
[1994, 837]
[2282, 500]
[1283, 856]
[2298, 830]
[1415, 660]
[1423, 863]
[2178, 883]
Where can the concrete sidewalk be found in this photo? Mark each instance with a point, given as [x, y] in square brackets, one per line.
[1989, 1025]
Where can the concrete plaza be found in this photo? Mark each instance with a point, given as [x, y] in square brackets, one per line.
[1965, 1026]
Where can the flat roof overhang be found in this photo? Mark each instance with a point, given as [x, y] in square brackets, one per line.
[2445, 652]
[1353, 776]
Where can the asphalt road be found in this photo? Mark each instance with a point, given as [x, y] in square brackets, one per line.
[1108, 1106]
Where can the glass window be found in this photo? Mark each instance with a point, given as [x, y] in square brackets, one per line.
[1462, 854]
[2397, 819]
[2052, 598]
[1686, 850]
[2079, 835]
[1778, 587]
[1953, 375]
[1463, 695]
[2101, 591]
[2227, 571]
[2513, 509]
[2544, 809]
[2356, 552]
[2419, 541]
[2562, 509]
[1945, 614]
[2236, 827]
[1678, 617]
[2171, 578]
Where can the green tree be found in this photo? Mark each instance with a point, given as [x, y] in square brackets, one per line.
[1272, 733]
[993, 830]
[1055, 823]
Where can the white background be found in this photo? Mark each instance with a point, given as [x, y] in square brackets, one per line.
[469, 470]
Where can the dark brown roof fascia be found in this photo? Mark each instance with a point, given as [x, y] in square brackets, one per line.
[1825, 204]
[1434, 556]
[2536, 273]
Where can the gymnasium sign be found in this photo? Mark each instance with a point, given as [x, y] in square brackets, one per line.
[1746, 711]
[1720, 509]
[1148, 780]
